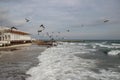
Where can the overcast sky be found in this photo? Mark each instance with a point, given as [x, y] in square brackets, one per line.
[83, 18]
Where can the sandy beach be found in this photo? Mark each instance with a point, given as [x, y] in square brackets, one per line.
[15, 63]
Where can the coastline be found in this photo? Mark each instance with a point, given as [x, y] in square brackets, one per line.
[15, 46]
[14, 64]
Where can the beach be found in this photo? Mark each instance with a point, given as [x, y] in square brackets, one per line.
[14, 63]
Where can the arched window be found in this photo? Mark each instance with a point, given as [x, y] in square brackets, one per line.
[5, 37]
[8, 37]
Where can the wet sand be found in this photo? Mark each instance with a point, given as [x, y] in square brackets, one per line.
[12, 47]
[15, 63]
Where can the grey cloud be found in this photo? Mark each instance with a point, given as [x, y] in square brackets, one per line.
[57, 14]
[4, 16]
[6, 1]
[7, 20]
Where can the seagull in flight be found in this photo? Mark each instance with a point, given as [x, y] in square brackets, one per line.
[68, 30]
[27, 20]
[41, 28]
[106, 21]
[13, 28]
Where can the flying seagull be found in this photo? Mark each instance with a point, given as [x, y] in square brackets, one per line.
[41, 29]
[13, 28]
[42, 26]
[68, 30]
[106, 21]
[27, 20]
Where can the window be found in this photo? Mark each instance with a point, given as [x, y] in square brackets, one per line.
[5, 37]
[8, 37]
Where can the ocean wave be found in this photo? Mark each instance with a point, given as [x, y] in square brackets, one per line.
[115, 44]
[108, 46]
[59, 63]
[62, 63]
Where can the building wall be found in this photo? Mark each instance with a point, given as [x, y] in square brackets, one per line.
[4, 37]
[19, 37]
[8, 37]
[13, 37]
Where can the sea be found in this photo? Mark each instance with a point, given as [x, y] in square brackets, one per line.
[81, 60]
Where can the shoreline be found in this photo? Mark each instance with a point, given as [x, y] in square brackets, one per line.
[15, 64]
[15, 46]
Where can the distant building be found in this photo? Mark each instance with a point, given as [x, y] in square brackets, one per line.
[12, 36]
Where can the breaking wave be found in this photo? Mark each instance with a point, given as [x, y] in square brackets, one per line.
[114, 52]
[64, 62]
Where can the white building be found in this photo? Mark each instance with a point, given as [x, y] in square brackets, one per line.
[12, 36]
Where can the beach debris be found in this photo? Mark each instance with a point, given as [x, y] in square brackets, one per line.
[27, 20]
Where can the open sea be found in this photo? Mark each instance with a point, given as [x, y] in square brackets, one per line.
[88, 60]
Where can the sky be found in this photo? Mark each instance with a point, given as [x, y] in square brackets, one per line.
[83, 18]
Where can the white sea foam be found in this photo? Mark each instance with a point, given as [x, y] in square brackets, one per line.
[108, 46]
[115, 44]
[83, 44]
[114, 52]
[60, 63]
[119, 66]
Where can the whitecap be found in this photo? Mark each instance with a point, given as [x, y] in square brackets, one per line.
[60, 63]
[114, 52]
[108, 46]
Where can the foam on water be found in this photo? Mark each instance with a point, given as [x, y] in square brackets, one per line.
[114, 52]
[60, 63]
[108, 46]
[114, 44]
